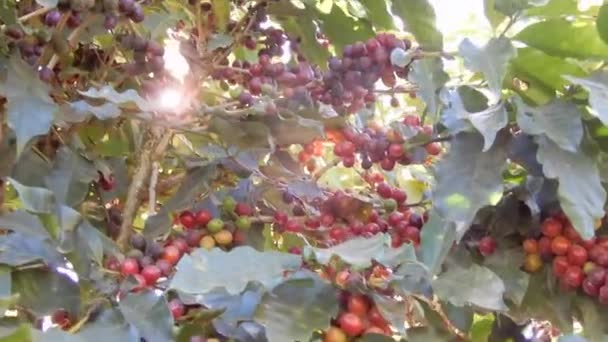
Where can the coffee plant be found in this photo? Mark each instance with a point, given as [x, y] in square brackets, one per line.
[302, 170]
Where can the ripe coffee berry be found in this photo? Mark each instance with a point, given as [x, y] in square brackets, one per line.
[351, 324]
[171, 254]
[187, 219]
[151, 274]
[177, 308]
[560, 245]
[577, 255]
[129, 266]
[203, 217]
[552, 227]
[487, 246]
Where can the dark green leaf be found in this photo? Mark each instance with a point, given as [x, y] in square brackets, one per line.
[43, 292]
[597, 86]
[532, 64]
[203, 271]
[506, 263]
[559, 120]
[34, 199]
[565, 38]
[394, 311]
[475, 285]
[602, 23]
[149, 314]
[70, 177]
[295, 131]
[469, 179]
[23, 222]
[413, 277]
[581, 194]
[491, 60]
[342, 29]
[18, 249]
[360, 252]
[429, 76]
[437, 238]
[29, 107]
[378, 14]
[294, 309]
[419, 18]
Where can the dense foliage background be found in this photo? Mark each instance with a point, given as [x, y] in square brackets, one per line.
[295, 170]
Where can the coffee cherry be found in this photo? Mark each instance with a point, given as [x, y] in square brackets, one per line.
[129, 266]
[45, 74]
[544, 247]
[552, 227]
[52, 18]
[577, 255]
[243, 209]
[165, 267]
[532, 263]
[181, 244]
[215, 225]
[358, 305]
[334, 334]
[243, 223]
[228, 204]
[603, 295]
[14, 32]
[187, 219]
[597, 276]
[138, 242]
[560, 245]
[590, 289]
[60, 317]
[384, 190]
[203, 217]
[399, 196]
[530, 246]
[560, 265]
[351, 324]
[223, 237]
[110, 21]
[573, 277]
[151, 273]
[375, 317]
[107, 183]
[171, 254]
[487, 246]
[193, 238]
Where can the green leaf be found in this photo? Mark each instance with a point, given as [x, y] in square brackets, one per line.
[559, 120]
[8, 13]
[555, 8]
[437, 238]
[360, 252]
[565, 38]
[29, 107]
[203, 271]
[535, 65]
[70, 177]
[43, 292]
[581, 194]
[21, 334]
[221, 13]
[304, 28]
[392, 310]
[34, 199]
[591, 319]
[297, 307]
[491, 60]
[469, 179]
[110, 94]
[482, 328]
[429, 76]
[413, 278]
[80, 111]
[419, 18]
[378, 14]
[489, 122]
[506, 264]
[295, 131]
[342, 30]
[597, 86]
[511, 7]
[474, 285]
[23, 222]
[18, 249]
[602, 23]
[149, 314]
[494, 17]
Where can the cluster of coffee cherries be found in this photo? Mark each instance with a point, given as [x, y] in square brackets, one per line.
[343, 217]
[147, 55]
[358, 316]
[374, 145]
[148, 261]
[576, 263]
[347, 86]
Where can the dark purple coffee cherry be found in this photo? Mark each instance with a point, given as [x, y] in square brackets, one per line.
[45, 74]
[137, 15]
[126, 6]
[52, 18]
[110, 21]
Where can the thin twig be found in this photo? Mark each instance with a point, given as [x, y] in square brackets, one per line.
[72, 37]
[32, 14]
[152, 189]
[152, 149]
